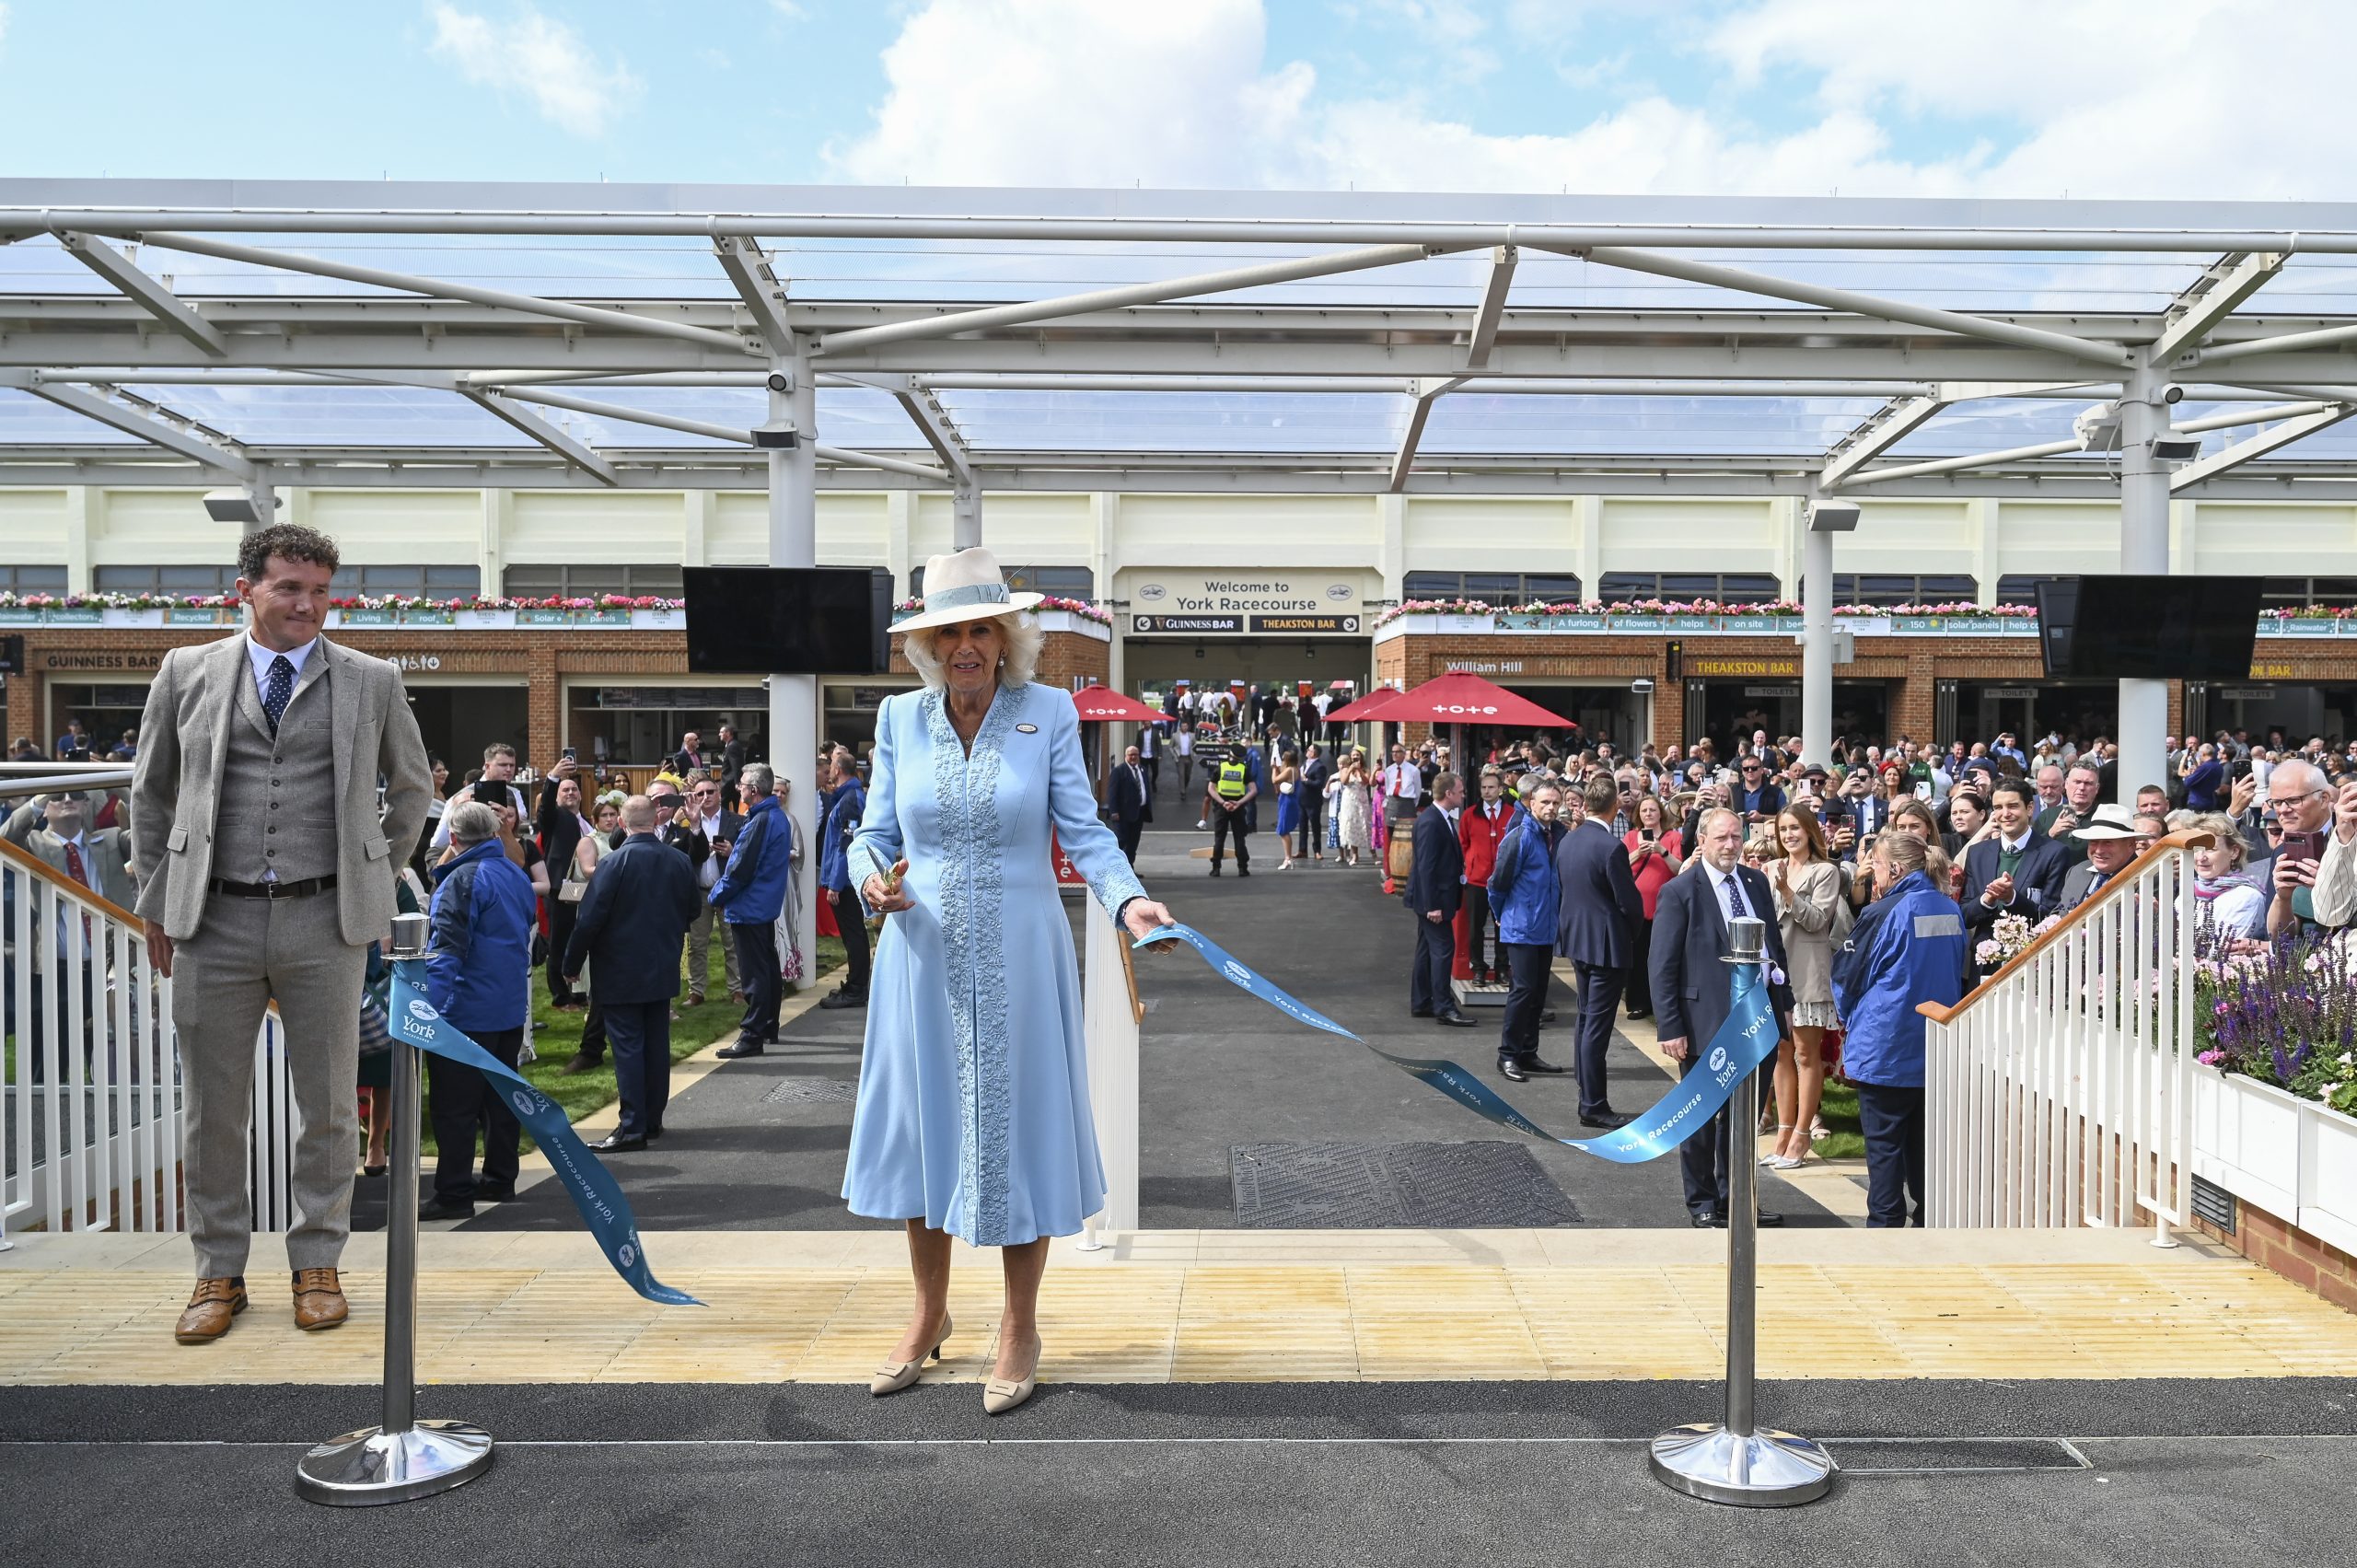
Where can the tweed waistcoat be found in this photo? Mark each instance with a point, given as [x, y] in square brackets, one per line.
[277, 809]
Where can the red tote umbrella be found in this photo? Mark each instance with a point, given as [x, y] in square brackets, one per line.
[1459, 698]
[1375, 704]
[1104, 704]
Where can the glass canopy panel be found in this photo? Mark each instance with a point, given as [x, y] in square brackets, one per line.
[29, 420]
[359, 417]
[1250, 423]
[1990, 425]
[1525, 424]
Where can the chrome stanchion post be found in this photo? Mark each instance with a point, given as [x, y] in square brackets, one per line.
[401, 1457]
[1732, 1461]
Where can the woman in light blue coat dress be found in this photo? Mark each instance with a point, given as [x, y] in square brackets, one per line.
[973, 1117]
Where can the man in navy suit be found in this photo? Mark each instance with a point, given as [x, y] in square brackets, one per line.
[633, 921]
[2016, 870]
[1693, 991]
[1596, 929]
[1131, 801]
[1435, 889]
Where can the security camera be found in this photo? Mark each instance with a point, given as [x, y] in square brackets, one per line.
[2098, 428]
[1833, 516]
[1641, 686]
[777, 436]
[779, 383]
[2170, 393]
[2175, 448]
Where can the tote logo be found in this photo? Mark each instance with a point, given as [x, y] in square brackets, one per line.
[1466, 708]
[422, 1011]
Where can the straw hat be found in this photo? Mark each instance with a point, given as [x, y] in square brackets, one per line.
[964, 587]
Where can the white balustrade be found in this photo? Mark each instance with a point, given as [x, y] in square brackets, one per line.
[2062, 1092]
[94, 1123]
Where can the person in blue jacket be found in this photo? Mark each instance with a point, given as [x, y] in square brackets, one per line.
[839, 819]
[1909, 946]
[753, 888]
[478, 977]
[1525, 896]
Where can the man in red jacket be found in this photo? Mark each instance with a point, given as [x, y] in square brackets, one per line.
[1480, 830]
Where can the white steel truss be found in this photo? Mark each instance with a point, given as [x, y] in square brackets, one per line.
[1330, 294]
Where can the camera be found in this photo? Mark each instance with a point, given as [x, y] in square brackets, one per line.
[777, 436]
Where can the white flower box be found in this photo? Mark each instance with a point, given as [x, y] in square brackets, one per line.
[486, 619]
[2295, 1159]
[658, 620]
[1065, 621]
[112, 617]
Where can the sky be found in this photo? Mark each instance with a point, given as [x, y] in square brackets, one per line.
[2200, 99]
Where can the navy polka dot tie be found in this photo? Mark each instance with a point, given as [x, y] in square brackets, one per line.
[278, 689]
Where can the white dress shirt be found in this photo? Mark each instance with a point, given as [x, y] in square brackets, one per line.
[262, 658]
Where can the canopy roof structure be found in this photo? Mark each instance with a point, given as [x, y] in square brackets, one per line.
[353, 334]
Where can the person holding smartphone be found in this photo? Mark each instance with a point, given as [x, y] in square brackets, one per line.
[2314, 881]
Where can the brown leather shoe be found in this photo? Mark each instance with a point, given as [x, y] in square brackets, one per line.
[319, 1300]
[210, 1308]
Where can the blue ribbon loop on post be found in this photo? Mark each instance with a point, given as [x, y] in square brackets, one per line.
[1743, 1042]
[592, 1187]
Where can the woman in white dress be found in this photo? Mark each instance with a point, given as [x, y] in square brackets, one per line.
[1352, 807]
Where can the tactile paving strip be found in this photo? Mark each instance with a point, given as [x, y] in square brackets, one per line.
[1381, 1185]
[812, 1091]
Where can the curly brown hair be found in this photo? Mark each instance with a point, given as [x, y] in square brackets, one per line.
[287, 541]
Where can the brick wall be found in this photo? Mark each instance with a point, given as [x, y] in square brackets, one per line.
[546, 657]
[1911, 665]
[2276, 1246]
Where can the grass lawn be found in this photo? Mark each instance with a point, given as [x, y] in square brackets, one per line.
[556, 1036]
[1839, 1112]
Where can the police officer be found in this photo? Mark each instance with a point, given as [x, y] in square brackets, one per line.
[1228, 789]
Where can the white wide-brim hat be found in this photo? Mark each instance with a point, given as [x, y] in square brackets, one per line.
[2108, 822]
[966, 585]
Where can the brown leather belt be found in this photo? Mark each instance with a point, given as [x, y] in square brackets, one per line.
[303, 889]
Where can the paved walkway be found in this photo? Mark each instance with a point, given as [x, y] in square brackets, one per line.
[1212, 1306]
[760, 1144]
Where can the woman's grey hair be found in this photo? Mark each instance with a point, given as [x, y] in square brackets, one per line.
[1024, 641]
[472, 823]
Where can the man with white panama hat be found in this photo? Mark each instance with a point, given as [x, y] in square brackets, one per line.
[2111, 840]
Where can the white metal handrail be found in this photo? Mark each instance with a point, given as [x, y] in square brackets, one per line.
[2061, 1092]
[93, 1126]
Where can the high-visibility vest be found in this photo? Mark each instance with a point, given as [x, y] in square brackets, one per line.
[1235, 778]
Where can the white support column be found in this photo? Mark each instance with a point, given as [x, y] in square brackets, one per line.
[965, 515]
[491, 546]
[698, 507]
[1816, 645]
[82, 502]
[262, 491]
[794, 699]
[1983, 526]
[1104, 518]
[1391, 551]
[2143, 547]
[899, 507]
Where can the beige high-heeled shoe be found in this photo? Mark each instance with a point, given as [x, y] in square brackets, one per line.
[895, 1376]
[999, 1396]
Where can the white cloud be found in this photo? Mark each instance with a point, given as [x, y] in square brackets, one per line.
[544, 60]
[2214, 98]
[791, 10]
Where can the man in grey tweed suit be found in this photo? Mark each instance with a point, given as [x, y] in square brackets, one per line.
[266, 872]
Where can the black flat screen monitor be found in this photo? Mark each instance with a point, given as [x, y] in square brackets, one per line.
[789, 620]
[2147, 628]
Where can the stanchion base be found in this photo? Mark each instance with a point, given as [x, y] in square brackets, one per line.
[1767, 1469]
[373, 1466]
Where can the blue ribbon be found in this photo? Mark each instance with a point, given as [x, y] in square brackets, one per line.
[1743, 1042]
[593, 1188]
